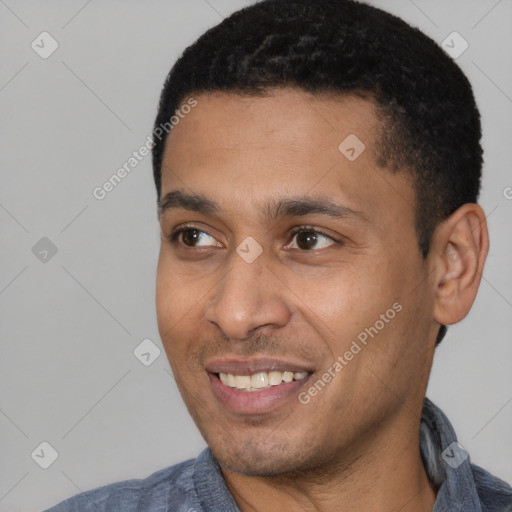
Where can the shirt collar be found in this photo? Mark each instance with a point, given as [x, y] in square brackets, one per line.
[447, 465]
[446, 462]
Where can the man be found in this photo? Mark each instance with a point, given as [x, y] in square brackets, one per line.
[317, 164]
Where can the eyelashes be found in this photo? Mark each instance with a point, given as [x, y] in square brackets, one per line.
[314, 235]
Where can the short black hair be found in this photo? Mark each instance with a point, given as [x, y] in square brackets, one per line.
[430, 122]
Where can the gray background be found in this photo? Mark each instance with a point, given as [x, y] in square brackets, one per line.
[68, 375]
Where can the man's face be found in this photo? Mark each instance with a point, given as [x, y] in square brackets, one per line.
[350, 283]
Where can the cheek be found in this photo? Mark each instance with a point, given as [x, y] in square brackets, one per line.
[345, 296]
[174, 301]
[165, 299]
[180, 306]
[350, 301]
[175, 293]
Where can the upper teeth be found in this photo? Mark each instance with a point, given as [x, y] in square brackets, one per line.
[259, 380]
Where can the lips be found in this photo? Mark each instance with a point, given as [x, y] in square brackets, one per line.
[251, 366]
[255, 386]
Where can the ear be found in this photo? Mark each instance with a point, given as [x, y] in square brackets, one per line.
[460, 245]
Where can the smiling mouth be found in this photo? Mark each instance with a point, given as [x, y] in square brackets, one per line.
[259, 381]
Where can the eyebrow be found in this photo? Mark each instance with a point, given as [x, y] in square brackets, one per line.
[293, 206]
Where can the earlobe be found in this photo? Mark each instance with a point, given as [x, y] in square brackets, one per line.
[461, 245]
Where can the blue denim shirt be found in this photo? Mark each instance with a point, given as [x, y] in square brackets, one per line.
[198, 486]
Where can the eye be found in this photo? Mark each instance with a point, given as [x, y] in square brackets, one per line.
[193, 237]
[309, 238]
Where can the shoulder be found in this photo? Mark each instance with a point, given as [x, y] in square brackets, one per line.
[171, 486]
[495, 494]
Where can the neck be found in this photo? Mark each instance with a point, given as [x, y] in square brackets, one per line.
[384, 473]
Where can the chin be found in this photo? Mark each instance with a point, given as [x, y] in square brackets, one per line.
[254, 459]
[258, 468]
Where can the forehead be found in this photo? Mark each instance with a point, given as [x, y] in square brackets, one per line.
[297, 123]
[234, 148]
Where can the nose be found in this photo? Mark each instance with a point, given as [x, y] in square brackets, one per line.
[248, 297]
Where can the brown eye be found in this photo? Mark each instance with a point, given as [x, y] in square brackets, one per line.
[310, 239]
[190, 236]
[193, 237]
[306, 240]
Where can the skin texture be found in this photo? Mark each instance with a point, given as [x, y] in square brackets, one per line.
[355, 444]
